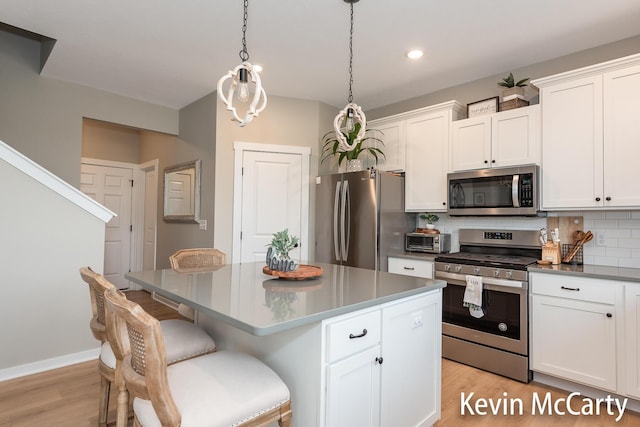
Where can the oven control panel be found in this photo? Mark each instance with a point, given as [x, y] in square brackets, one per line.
[494, 272]
[498, 235]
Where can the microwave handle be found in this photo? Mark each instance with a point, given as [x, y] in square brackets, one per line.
[515, 191]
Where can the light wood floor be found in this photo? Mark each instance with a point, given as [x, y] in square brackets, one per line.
[69, 396]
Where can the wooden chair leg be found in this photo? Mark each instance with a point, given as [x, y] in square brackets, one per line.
[123, 406]
[105, 388]
[285, 416]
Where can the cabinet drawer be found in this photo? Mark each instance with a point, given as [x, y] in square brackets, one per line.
[347, 337]
[411, 267]
[578, 288]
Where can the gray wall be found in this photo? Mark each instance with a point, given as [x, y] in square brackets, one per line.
[285, 121]
[42, 118]
[106, 141]
[487, 87]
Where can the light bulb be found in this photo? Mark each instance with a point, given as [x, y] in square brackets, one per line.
[242, 93]
[350, 123]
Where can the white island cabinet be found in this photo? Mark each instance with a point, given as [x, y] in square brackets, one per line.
[383, 366]
[356, 347]
[590, 134]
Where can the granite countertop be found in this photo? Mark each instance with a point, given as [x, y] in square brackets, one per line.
[244, 297]
[593, 271]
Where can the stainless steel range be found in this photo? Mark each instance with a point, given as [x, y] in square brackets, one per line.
[496, 339]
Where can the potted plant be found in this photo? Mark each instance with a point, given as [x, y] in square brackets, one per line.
[431, 219]
[331, 148]
[513, 89]
[278, 252]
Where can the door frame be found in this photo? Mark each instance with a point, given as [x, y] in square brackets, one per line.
[239, 148]
[137, 207]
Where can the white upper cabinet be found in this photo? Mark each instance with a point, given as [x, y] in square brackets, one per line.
[417, 142]
[507, 138]
[621, 137]
[590, 135]
[392, 134]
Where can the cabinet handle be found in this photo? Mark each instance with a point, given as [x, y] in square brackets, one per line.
[379, 360]
[409, 268]
[444, 203]
[609, 315]
[608, 199]
[597, 199]
[486, 161]
[570, 289]
[364, 332]
[493, 161]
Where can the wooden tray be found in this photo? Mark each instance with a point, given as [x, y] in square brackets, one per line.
[427, 231]
[303, 272]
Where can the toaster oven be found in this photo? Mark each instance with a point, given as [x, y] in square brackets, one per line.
[428, 243]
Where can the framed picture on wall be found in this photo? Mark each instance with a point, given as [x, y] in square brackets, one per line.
[486, 106]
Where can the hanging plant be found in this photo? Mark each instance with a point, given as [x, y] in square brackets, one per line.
[331, 146]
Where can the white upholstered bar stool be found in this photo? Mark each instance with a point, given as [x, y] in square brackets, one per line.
[183, 339]
[218, 389]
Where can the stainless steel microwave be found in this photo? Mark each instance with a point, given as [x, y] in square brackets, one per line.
[428, 243]
[494, 191]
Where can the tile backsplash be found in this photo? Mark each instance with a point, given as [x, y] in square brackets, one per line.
[616, 240]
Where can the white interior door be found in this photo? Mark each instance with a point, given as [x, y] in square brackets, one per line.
[271, 190]
[112, 186]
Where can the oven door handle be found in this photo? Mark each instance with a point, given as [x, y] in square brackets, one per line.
[489, 283]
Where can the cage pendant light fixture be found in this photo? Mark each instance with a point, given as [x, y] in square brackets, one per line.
[244, 82]
[345, 123]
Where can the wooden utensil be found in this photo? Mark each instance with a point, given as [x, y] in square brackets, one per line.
[588, 236]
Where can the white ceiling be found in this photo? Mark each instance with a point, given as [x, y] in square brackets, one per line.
[172, 52]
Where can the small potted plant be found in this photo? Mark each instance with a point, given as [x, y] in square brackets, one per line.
[430, 219]
[278, 252]
[513, 89]
[331, 148]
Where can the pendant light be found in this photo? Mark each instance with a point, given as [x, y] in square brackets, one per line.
[346, 120]
[244, 82]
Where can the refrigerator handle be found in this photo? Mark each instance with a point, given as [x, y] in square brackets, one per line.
[336, 205]
[345, 227]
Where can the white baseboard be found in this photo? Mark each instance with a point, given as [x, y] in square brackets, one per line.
[48, 364]
[571, 387]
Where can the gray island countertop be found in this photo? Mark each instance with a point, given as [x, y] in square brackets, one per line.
[243, 296]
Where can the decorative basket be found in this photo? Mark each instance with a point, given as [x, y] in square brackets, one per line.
[577, 259]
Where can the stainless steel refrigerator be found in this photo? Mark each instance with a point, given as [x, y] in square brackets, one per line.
[360, 218]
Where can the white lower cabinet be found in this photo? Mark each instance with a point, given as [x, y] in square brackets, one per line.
[411, 267]
[576, 329]
[632, 318]
[383, 365]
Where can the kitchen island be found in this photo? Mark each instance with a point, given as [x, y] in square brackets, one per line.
[355, 346]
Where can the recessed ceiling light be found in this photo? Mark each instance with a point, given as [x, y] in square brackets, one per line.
[415, 54]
